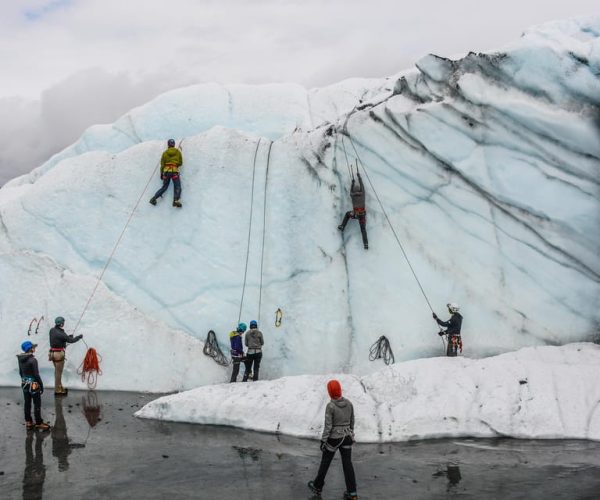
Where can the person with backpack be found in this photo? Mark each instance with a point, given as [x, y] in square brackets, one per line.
[338, 434]
[58, 344]
[32, 386]
[357, 193]
[237, 350]
[170, 163]
[254, 342]
[453, 327]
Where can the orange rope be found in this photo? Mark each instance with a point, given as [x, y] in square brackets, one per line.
[90, 368]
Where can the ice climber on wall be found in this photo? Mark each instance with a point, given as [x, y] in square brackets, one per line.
[170, 162]
[453, 326]
[32, 386]
[237, 350]
[338, 434]
[58, 344]
[357, 193]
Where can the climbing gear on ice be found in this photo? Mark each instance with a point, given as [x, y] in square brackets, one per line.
[35, 322]
[153, 201]
[381, 349]
[90, 368]
[177, 203]
[278, 317]
[59, 321]
[211, 348]
[453, 308]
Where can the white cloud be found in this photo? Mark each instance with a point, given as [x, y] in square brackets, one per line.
[150, 45]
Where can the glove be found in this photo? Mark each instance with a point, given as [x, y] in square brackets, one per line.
[435, 316]
[322, 445]
[79, 337]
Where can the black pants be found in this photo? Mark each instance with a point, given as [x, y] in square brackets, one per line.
[236, 368]
[176, 185]
[346, 452]
[37, 405]
[362, 220]
[252, 364]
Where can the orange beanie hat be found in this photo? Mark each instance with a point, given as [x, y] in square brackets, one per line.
[334, 389]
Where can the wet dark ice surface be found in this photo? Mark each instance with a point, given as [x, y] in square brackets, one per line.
[98, 449]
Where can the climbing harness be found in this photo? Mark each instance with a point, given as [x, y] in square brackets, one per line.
[90, 368]
[211, 348]
[359, 160]
[381, 349]
[278, 317]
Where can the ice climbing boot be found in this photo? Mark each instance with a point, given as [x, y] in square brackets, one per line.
[153, 201]
[42, 427]
[29, 426]
[366, 246]
[61, 391]
[350, 496]
[177, 203]
[313, 488]
[341, 228]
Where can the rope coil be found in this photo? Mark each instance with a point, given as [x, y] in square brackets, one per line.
[381, 349]
[211, 348]
[90, 368]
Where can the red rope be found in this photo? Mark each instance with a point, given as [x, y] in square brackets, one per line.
[90, 368]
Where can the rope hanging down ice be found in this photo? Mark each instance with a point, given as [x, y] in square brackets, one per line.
[211, 348]
[264, 230]
[249, 231]
[381, 349]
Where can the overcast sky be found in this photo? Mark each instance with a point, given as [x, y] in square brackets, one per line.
[68, 64]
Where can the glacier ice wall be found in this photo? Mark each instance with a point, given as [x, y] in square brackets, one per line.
[488, 167]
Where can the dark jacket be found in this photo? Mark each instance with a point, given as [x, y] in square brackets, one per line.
[453, 325]
[59, 339]
[339, 419]
[357, 193]
[237, 348]
[28, 368]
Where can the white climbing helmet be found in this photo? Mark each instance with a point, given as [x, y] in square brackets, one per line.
[452, 307]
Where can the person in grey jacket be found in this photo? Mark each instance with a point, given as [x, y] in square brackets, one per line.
[357, 193]
[254, 342]
[338, 434]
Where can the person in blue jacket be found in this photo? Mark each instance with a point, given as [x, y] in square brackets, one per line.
[237, 350]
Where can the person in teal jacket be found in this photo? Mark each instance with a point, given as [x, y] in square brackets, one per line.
[170, 163]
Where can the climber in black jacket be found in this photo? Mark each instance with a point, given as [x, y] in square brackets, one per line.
[453, 326]
[32, 386]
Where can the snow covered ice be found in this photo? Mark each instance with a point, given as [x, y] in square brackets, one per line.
[536, 392]
[488, 167]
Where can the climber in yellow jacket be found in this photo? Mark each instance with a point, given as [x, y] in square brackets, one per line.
[170, 162]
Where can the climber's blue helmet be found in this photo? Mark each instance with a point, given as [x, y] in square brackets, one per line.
[171, 143]
[253, 324]
[27, 346]
[59, 321]
[242, 327]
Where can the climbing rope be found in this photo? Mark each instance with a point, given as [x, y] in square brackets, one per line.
[249, 230]
[90, 368]
[348, 166]
[278, 317]
[359, 160]
[262, 253]
[381, 349]
[212, 349]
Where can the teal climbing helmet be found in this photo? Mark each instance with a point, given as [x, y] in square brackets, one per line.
[59, 321]
[242, 327]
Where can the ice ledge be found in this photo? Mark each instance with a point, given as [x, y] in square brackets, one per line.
[538, 392]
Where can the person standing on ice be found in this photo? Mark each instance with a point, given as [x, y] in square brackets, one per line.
[170, 162]
[357, 193]
[32, 386]
[237, 350]
[254, 342]
[58, 344]
[453, 326]
[338, 434]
